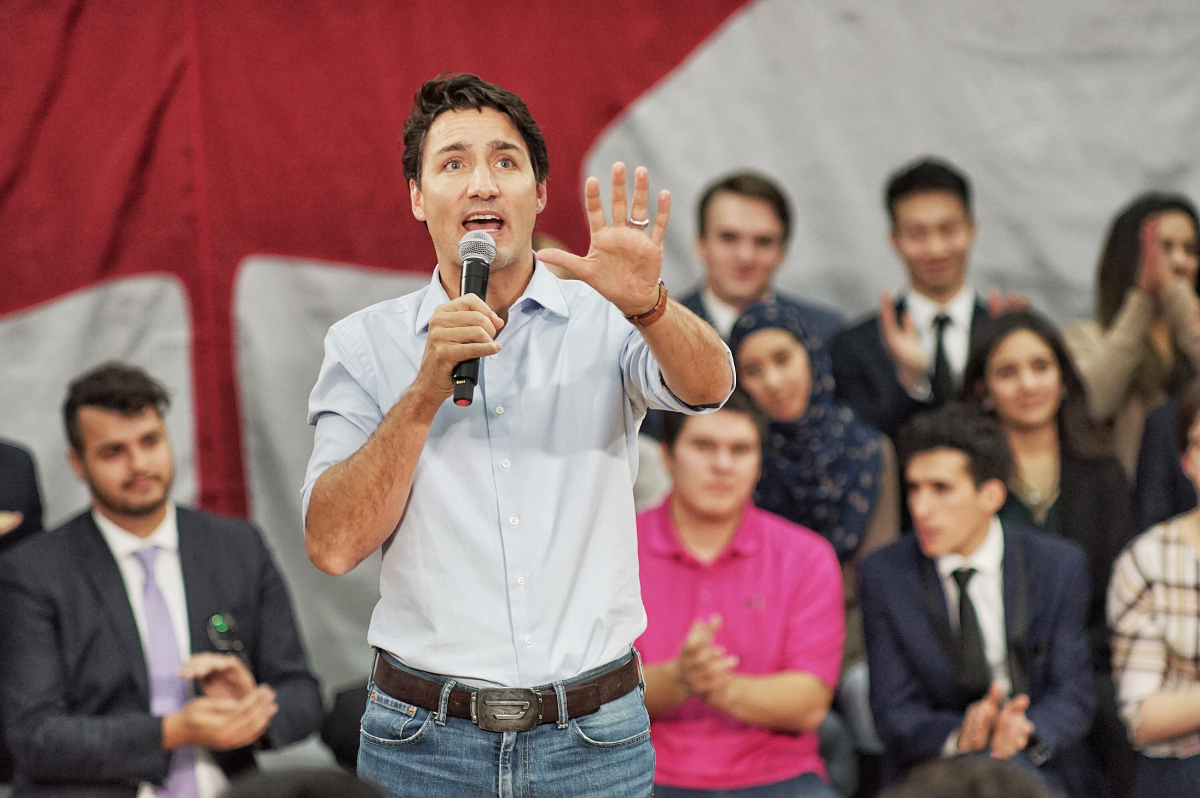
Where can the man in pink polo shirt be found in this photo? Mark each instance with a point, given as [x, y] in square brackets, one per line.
[745, 622]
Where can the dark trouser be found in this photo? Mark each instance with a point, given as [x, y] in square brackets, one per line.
[1166, 777]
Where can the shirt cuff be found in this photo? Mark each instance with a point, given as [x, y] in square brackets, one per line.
[950, 747]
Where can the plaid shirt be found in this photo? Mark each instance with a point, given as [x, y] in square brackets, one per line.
[1154, 615]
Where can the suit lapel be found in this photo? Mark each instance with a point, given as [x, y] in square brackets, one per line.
[1016, 611]
[199, 586]
[980, 317]
[97, 565]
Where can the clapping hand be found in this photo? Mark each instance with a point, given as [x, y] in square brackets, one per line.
[704, 666]
[902, 342]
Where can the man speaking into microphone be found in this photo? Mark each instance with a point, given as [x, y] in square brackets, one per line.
[509, 595]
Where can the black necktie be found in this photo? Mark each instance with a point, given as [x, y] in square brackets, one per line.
[973, 670]
[942, 383]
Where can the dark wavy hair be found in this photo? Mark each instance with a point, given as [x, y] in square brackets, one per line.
[1078, 434]
[925, 175]
[1118, 268]
[964, 428]
[113, 386]
[739, 401]
[458, 92]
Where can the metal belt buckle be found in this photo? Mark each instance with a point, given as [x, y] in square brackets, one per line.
[505, 709]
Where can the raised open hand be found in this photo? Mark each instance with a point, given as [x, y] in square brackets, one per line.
[1000, 303]
[623, 264]
[902, 342]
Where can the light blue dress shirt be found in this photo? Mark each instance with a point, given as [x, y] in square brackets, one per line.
[515, 562]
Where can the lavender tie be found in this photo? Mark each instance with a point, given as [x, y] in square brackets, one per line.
[168, 691]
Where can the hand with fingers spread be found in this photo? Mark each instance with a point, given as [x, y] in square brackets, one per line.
[219, 675]
[902, 343]
[1152, 277]
[461, 329]
[1000, 303]
[623, 264]
[979, 721]
[1012, 729]
[704, 666]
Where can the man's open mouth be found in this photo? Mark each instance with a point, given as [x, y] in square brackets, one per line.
[483, 221]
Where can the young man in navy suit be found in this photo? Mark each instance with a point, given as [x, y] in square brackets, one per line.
[910, 356]
[113, 684]
[976, 632]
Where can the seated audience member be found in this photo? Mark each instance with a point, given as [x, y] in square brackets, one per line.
[112, 617]
[969, 777]
[1154, 616]
[975, 628]
[20, 497]
[744, 622]
[822, 468]
[744, 223]
[910, 356]
[1065, 481]
[20, 517]
[1161, 489]
[1145, 345]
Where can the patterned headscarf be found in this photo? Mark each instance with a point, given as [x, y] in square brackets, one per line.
[822, 470]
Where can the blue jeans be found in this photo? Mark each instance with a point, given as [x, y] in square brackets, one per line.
[807, 785]
[410, 751]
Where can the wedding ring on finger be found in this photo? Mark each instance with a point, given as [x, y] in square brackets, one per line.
[642, 225]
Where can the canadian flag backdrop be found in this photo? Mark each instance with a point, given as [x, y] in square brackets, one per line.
[202, 187]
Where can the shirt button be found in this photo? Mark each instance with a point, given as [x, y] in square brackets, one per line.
[500, 410]
[520, 580]
[513, 520]
[504, 463]
[527, 640]
[705, 595]
[493, 357]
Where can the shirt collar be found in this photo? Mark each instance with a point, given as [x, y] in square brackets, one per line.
[664, 538]
[960, 308]
[988, 558]
[543, 289]
[124, 544]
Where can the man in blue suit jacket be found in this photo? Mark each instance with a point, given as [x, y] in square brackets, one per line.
[86, 628]
[743, 224]
[887, 366]
[1028, 600]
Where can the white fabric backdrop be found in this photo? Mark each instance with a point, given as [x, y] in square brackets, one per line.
[1059, 112]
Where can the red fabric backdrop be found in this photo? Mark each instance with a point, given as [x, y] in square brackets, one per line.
[183, 135]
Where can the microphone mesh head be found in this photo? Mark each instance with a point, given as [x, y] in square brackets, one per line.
[477, 244]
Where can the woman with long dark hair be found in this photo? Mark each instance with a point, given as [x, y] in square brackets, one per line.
[1145, 344]
[1065, 483]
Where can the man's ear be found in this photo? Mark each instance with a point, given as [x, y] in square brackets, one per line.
[415, 196]
[668, 459]
[542, 196]
[76, 464]
[993, 493]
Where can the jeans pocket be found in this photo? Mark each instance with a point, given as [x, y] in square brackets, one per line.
[618, 724]
[391, 723]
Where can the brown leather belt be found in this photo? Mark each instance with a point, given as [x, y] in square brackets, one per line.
[508, 708]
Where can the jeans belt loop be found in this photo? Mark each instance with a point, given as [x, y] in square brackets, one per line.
[561, 693]
[445, 698]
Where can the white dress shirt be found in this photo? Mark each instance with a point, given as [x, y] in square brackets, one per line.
[515, 561]
[986, 589]
[957, 336]
[210, 779]
[722, 314]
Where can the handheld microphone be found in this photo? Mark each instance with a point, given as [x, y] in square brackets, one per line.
[477, 250]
